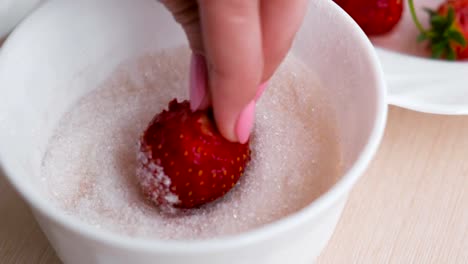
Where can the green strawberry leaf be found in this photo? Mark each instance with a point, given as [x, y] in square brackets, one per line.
[451, 53]
[456, 36]
[438, 22]
[439, 49]
[451, 15]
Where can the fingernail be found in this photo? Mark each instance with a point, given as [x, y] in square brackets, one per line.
[245, 122]
[260, 90]
[198, 77]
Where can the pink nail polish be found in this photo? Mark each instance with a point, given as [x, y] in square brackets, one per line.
[245, 122]
[198, 80]
[260, 90]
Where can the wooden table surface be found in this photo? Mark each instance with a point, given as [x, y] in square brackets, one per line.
[410, 207]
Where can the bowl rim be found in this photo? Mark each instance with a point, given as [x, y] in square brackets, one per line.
[265, 232]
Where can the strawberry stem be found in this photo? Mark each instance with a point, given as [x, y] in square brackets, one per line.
[415, 17]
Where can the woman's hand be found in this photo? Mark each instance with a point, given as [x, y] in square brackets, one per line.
[237, 45]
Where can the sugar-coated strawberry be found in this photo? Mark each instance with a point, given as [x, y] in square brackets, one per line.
[375, 17]
[448, 32]
[184, 162]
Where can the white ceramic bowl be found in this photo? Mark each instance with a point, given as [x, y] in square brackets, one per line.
[66, 48]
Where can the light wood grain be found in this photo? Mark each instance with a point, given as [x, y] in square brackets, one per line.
[410, 207]
[21, 240]
[412, 204]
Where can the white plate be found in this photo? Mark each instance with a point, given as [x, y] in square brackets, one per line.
[414, 81]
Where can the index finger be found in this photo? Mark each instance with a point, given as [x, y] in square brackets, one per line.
[233, 48]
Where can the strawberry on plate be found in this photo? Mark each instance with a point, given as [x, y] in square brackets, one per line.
[184, 162]
[375, 17]
[448, 32]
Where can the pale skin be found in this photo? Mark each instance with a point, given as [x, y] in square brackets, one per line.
[243, 42]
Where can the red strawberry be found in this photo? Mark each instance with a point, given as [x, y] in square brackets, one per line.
[183, 160]
[375, 17]
[448, 32]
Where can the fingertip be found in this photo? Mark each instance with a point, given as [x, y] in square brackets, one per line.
[245, 123]
[236, 127]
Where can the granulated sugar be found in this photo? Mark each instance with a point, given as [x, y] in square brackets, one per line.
[89, 168]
